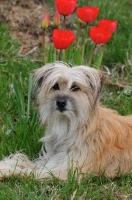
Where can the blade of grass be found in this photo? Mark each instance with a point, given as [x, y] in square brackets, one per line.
[29, 94]
[8, 116]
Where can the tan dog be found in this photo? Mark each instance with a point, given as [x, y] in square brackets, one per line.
[78, 130]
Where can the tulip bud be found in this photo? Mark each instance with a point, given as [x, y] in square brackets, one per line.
[56, 19]
[45, 21]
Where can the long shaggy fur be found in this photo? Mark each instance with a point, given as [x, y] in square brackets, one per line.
[79, 132]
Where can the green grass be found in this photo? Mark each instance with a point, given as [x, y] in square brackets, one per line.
[18, 118]
[19, 126]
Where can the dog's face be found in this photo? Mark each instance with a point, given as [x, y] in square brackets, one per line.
[64, 91]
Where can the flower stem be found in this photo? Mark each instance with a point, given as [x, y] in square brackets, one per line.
[64, 29]
[78, 35]
[64, 22]
[60, 53]
[100, 58]
[91, 55]
[54, 54]
[84, 42]
[44, 46]
[65, 55]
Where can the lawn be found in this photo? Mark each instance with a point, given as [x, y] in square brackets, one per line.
[19, 124]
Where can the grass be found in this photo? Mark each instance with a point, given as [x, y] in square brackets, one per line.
[18, 118]
[19, 127]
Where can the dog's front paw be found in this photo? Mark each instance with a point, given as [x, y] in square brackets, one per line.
[5, 169]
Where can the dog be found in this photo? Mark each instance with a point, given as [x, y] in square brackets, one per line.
[79, 131]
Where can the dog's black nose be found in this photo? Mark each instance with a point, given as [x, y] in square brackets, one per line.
[61, 104]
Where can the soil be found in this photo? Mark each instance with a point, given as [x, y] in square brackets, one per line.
[24, 18]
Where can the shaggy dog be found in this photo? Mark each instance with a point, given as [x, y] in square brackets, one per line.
[79, 132]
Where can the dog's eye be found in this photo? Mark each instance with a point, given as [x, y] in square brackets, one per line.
[56, 86]
[75, 88]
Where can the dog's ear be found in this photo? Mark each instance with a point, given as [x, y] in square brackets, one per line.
[101, 76]
[39, 82]
[42, 73]
[94, 79]
[39, 77]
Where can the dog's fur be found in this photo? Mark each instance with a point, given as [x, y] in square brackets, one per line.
[79, 132]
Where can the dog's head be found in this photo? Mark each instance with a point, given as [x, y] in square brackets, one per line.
[64, 91]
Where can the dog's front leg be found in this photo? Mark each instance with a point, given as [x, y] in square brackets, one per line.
[19, 164]
[16, 164]
[56, 166]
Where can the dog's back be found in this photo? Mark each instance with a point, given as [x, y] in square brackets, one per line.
[113, 141]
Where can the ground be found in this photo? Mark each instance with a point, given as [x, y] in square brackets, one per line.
[24, 19]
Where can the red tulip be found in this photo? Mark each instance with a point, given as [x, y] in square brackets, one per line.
[110, 25]
[65, 7]
[62, 39]
[87, 14]
[99, 35]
